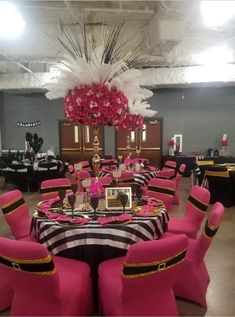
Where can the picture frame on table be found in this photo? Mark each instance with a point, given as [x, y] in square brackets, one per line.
[112, 201]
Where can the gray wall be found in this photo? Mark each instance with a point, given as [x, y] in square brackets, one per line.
[30, 108]
[203, 115]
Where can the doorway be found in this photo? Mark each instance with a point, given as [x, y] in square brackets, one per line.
[144, 143]
[76, 141]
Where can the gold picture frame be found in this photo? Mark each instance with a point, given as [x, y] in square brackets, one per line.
[111, 198]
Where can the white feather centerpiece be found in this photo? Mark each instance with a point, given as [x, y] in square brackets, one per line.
[98, 80]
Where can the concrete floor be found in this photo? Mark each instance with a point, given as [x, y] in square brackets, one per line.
[220, 260]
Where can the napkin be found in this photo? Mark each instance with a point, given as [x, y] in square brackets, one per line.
[114, 220]
[77, 221]
[151, 209]
[43, 206]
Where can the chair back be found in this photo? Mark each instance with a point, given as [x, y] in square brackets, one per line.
[179, 174]
[170, 165]
[31, 272]
[197, 205]
[49, 188]
[166, 173]
[211, 227]
[162, 189]
[85, 165]
[149, 272]
[16, 213]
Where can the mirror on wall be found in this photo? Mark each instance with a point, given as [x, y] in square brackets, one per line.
[178, 138]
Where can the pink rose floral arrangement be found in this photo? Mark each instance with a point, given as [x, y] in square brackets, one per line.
[96, 190]
[171, 142]
[224, 142]
[96, 104]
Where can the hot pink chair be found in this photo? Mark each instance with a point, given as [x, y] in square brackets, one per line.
[140, 284]
[49, 188]
[195, 212]
[192, 281]
[166, 173]
[85, 165]
[162, 189]
[6, 293]
[170, 165]
[179, 174]
[44, 286]
[126, 179]
[16, 213]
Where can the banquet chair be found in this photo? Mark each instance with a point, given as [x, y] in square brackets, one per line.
[192, 281]
[16, 213]
[42, 285]
[6, 292]
[220, 185]
[179, 174]
[166, 173]
[49, 188]
[195, 211]
[126, 179]
[162, 189]
[85, 165]
[140, 284]
[170, 165]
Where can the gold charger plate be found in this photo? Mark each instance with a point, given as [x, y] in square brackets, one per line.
[117, 224]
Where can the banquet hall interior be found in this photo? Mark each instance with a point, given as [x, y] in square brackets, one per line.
[166, 133]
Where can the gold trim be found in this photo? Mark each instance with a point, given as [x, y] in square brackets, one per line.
[70, 149]
[48, 259]
[217, 173]
[151, 264]
[202, 163]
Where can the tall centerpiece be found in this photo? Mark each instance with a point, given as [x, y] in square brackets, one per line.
[97, 79]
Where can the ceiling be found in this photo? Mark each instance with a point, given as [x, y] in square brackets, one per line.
[174, 38]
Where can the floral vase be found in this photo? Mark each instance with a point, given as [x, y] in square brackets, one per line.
[224, 151]
[171, 150]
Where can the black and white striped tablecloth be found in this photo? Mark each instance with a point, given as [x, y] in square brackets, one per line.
[141, 178]
[58, 237]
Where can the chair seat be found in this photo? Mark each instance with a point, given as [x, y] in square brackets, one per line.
[179, 225]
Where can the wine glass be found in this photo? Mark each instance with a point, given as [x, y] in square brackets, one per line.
[62, 193]
[74, 187]
[94, 201]
[71, 201]
[123, 199]
[138, 192]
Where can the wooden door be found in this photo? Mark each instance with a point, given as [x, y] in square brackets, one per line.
[76, 141]
[148, 140]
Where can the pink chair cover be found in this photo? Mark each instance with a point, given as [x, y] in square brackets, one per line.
[166, 173]
[44, 286]
[195, 211]
[6, 293]
[170, 165]
[16, 213]
[140, 284]
[162, 189]
[85, 165]
[193, 279]
[179, 174]
[49, 188]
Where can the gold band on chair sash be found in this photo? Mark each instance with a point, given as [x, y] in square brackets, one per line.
[170, 166]
[133, 270]
[43, 266]
[210, 231]
[202, 163]
[13, 205]
[163, 190]
[198, 204]
[217, 173]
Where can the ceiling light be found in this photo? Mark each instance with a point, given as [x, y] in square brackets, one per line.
[217, 12]
[215, 56]
[11, 22]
